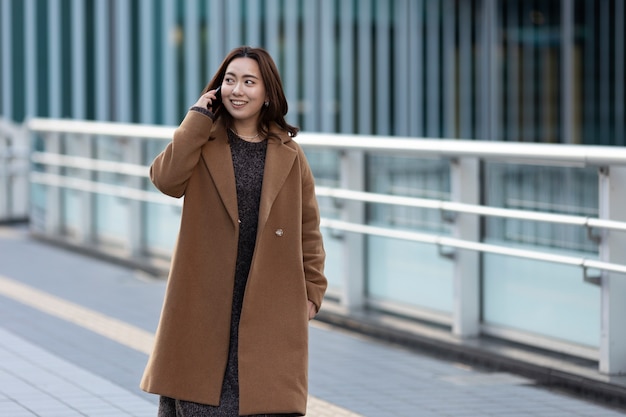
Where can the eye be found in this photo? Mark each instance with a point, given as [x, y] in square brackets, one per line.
[249, 82]
[228, 80]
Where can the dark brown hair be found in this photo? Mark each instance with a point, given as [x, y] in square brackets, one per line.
[277, 108]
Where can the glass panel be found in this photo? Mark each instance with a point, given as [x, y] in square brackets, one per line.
[161, 226]
[408, 177]
[572, 191]
[38, 207]
[161, 221]
[71, 212]
[402, 271]
[111, 213]
[71, 200]
[540, 297]
[409, 273]
[325, 167]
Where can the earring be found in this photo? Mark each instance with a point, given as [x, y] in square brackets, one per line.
[267, 103]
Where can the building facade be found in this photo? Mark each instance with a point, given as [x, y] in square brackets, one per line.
[510, 70]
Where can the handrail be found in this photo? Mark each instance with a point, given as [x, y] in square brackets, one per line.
[524, 153]
[86, 127]
[469, 208]
[80, 162]
[443, 241]
[101, 188]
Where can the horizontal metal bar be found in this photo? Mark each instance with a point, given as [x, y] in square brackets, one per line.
[474, 246]
[83, 127]
[344, 194]
[100, 188]
[90, 164]
[512, 152]
[469, 208]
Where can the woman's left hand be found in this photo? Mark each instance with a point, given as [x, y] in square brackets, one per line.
[312, 309]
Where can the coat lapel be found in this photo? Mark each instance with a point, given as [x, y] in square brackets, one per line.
[279, 160]
[217, 157]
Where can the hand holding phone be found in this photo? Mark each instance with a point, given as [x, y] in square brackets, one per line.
[215, 103]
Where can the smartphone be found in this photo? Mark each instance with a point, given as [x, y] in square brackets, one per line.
[218, 98]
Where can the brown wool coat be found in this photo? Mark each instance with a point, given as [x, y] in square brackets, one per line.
[191, 347]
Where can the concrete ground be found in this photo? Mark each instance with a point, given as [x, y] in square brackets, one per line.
[75, 333]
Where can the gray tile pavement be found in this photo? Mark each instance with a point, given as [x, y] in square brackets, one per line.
[34, 382]
[73, 343]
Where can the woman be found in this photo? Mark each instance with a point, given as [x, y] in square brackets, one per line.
[247, 271]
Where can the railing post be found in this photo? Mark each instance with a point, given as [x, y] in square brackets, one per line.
[613, 292]
[465, 188]
[21, 170]
[5, 202]
[135, 207]
[53, 214]
[86, 230]
[353, 178]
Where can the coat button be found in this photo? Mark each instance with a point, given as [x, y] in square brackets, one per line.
[279, 232]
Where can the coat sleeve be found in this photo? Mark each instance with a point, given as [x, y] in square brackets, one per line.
[313, 252]
[171, 169]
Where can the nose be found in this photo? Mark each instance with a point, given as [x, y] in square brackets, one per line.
[237, 89]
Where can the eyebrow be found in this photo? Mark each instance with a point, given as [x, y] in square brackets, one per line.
[244, 76]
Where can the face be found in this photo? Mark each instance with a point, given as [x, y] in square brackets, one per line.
[243, 91]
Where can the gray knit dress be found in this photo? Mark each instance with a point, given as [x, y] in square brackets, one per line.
[249, 164]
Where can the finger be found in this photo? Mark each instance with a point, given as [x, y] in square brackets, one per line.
[205, 100]
[210, 96]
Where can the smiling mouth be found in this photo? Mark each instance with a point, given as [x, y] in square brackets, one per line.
[238, 102]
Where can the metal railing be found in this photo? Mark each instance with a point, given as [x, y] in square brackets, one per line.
[462, 213]
[14, 169]
[443, 241]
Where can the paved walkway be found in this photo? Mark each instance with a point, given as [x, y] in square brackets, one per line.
[75, 334]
